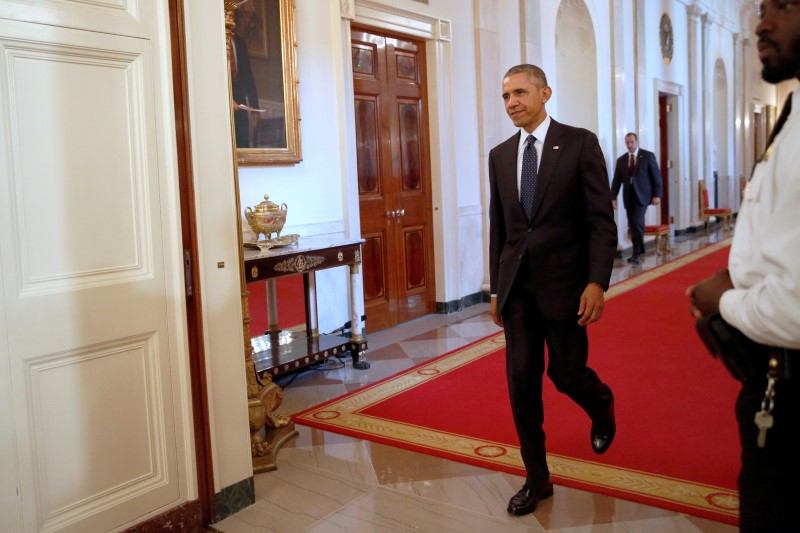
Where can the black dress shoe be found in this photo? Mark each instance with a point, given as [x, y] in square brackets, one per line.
[602, 433]
[634, 260]
[525, 501]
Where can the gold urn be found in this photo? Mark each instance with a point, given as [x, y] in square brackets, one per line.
[267, 218]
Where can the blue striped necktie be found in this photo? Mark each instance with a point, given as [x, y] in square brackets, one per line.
[530, 162]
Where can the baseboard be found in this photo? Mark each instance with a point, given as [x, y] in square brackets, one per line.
[234, 498]
[185, 517]
[454, 306]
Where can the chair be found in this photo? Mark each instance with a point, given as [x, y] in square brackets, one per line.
[660, 230]
[706, 213]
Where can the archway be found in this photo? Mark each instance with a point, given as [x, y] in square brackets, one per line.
[723, 183]
[576, 66]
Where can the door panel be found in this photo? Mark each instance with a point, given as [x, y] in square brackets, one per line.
[88, 230]
[367, 147]
[394, 177]
[663, 125]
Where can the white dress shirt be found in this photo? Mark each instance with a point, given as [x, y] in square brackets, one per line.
[764, 260]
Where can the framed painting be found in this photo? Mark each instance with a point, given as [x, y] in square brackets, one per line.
[263, 75]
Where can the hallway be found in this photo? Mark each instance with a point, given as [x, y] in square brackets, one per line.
[327, 482]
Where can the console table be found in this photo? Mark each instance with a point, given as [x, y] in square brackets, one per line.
[278, 352]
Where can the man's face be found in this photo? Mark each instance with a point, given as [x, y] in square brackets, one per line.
[525, 101]
[631, 143]
[779, 39]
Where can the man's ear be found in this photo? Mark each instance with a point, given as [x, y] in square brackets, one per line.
[547, 92]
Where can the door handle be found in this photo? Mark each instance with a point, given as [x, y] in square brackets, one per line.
[399, 213]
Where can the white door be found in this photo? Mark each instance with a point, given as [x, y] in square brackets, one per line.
[92, 326]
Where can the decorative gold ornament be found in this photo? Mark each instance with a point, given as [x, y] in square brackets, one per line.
[267, 218]
[301, 263]
[666, 37]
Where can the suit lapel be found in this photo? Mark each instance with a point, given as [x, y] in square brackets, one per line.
[551, 152]
[507, 173]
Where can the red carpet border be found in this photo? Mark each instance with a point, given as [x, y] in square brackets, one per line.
[676, 446]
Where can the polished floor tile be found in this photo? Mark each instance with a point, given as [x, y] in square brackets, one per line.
[330, 483]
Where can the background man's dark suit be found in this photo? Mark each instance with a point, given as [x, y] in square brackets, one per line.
[539, 270]
[638, 192]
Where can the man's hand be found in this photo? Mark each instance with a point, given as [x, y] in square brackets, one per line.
[614, 204]
[656, 200]
[592, 302]
[704, 296]
[497, 319]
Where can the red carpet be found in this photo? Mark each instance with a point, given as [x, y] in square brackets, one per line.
[676, 445]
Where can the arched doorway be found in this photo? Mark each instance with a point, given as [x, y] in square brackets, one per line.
[723, 186]
[576, 68]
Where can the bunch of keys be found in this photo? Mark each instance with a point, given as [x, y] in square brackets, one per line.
[764, 419]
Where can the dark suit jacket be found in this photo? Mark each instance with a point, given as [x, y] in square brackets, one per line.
[572, 237]
[646, 178]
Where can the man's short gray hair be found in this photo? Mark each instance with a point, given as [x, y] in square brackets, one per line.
[535, 74]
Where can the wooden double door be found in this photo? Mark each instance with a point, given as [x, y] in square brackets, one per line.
[393, 177]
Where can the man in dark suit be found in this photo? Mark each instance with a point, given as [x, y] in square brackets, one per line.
[638, 175]
[552, 246]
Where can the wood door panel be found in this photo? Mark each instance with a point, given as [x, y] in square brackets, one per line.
[406, 69]
[365, 61]
[663, 125]
[373, 252]
[368, 146]
[394, 170]
[414, 254]
[410, 157]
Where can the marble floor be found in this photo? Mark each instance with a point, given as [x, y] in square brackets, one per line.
[330, 483]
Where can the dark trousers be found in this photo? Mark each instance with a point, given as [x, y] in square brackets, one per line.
[636, 212]
[769, 480]
[526, 332]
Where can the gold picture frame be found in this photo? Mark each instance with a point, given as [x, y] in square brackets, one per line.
[264, 83]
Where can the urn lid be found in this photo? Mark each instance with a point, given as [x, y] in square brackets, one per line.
[266, 206]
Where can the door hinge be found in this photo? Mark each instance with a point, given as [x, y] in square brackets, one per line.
[187, 272]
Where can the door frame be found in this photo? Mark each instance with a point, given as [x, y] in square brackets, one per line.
[680, 195]
[439, 73]
[204, 468]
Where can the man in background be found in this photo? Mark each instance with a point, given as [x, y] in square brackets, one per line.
[551, 252]
[638, 175]
[759, 294]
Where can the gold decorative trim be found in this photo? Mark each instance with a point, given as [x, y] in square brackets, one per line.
[301, 263]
